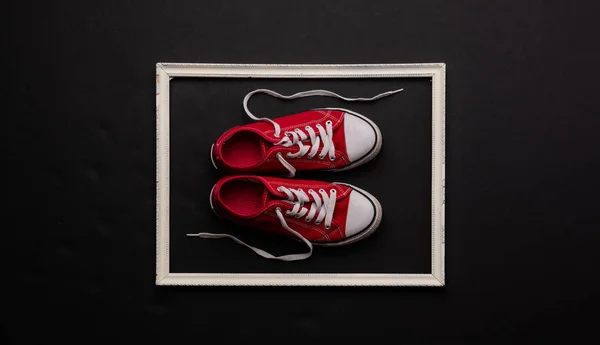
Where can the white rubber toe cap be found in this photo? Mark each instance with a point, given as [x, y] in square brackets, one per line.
[360, 137]
[360, 214]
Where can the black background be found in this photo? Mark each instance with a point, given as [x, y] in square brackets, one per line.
[400, 176]
[522, 169]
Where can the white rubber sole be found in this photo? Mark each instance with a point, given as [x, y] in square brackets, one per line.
[211, 156]
[211, 202]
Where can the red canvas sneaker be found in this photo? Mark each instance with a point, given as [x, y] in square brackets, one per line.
[314, 212]
[327, 138]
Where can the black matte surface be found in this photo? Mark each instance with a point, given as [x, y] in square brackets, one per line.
[400, 176]
[522, 169]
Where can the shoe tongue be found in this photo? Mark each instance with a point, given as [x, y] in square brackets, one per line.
[267, 148]
[273, 198]
[263, 147]
[267, 196]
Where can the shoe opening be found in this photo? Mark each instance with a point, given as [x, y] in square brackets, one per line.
[244, 197]
[243, 150]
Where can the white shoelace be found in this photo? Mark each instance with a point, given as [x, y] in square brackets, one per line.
[298, 136]
[323, 203]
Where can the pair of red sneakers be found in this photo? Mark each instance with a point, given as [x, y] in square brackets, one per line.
[314, 212]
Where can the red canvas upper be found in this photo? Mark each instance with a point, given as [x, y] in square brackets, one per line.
[250, 200]
[250, 148]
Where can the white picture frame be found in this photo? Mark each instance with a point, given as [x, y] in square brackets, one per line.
[167, 71]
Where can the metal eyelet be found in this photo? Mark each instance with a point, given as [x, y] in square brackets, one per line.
[317, 223]
[332, 191]
[288, 155]
[327, 227]
[307, 127]
[297, 130]
[321, 190]
[328, 122]
[287, 213]
[332, 158]
[307, 220]
[321, 156]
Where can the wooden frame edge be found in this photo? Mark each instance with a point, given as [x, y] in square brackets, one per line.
[199, 279]
[166, 71]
